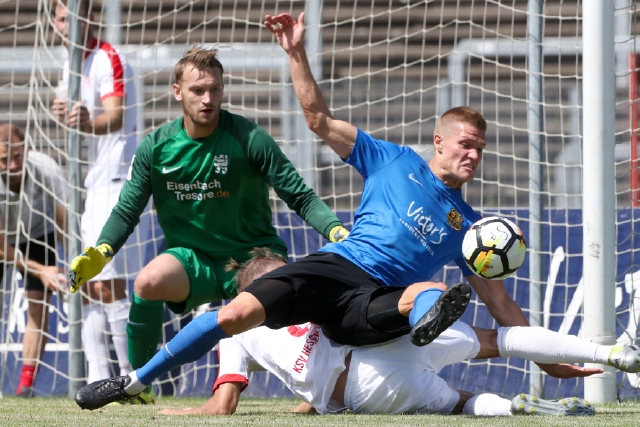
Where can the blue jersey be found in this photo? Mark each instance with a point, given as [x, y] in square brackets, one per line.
[409, 223]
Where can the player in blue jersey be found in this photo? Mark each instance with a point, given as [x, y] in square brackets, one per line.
[371, 287]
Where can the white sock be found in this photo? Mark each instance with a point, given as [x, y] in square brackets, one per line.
[135, 386]
[94, 340]
[117, 316]
[544, 346]
[488, 405]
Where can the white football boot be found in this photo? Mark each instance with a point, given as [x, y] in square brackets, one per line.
[532, 405]
[626, 358]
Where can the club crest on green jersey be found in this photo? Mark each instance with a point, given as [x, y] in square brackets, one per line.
[221, 162]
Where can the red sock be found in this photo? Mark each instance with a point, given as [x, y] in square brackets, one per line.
[26, 377]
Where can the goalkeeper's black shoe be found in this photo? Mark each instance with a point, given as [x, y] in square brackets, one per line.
[447, 309]
[101, 393]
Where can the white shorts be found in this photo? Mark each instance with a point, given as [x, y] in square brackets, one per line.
[135, 254]
[398, 377]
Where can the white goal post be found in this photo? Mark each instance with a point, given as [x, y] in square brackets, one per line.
[390, 68]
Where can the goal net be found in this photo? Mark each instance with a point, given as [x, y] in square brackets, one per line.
[388, 67]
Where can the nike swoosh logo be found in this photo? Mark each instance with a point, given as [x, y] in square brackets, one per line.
[166, 171]
[411, 177]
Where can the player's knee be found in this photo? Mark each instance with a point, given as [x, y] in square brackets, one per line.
[423, 286]
[409, 295]
[413, 290]
[146, 284]
[241, 315]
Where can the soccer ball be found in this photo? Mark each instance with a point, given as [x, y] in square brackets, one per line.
[494, 248]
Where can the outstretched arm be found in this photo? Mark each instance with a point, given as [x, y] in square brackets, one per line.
[132, 200]
[501, 306]
[266, 157]
[339, 134]
[507, 312]
[223, 402]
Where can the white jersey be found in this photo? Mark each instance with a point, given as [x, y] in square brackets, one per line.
[306, 361]
[31, 212]
[106, 73]
[399, 377]
[395, 377]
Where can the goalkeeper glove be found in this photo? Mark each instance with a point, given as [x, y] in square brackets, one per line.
[88, 265]
[338, 234]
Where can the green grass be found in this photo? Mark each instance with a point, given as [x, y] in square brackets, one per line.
[272, 412]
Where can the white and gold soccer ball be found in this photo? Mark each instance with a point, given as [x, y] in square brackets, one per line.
[494, 248]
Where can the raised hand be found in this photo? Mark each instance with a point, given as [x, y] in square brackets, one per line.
[338, 234]
[79, 117]
[59, 109]
[51, 279]
[88, 265]
[288, 32]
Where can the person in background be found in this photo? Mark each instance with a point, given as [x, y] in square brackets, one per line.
[33, 218]
[209, 172]
[394, 377]
[106, 118]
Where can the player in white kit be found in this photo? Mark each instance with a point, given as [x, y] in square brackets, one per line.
[106, 117]
[396, 377]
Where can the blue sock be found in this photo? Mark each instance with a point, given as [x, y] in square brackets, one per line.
[190, 344]
[423, 303]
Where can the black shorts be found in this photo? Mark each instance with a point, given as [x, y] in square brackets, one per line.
[328, 290]
[38, 250]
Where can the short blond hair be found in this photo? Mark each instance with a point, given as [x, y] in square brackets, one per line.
[261, 261]
[461, 115]
[202, 59]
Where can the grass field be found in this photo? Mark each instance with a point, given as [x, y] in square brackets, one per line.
[272, 412]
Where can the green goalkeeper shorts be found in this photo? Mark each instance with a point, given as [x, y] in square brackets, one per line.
[209, 282]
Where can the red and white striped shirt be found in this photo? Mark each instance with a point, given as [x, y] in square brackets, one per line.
[106, 73]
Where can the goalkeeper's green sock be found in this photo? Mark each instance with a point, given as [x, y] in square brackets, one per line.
[144, 330]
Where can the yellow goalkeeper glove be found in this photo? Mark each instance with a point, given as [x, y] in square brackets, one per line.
[338, 234]
[88, 265]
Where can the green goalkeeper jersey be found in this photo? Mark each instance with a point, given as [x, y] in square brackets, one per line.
[212, 194]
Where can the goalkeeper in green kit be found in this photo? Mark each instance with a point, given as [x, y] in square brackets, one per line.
[208, 172]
